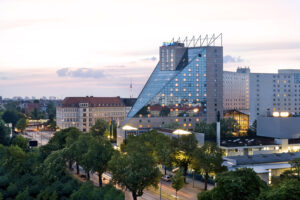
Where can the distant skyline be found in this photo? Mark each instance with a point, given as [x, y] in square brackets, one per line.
[90, 47]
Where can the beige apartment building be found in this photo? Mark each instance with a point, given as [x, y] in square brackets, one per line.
[82, 112]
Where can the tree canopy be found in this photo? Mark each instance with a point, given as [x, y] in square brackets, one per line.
[241, 184]
[207, 159]
[134, 169]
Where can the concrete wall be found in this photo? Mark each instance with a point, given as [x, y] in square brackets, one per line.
[278, 127]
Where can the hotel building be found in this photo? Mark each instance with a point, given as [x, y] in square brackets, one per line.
[185, 87]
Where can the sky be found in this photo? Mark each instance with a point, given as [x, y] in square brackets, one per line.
[96, 48]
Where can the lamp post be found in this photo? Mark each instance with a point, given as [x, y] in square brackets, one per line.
[218, 130]
[193, 178]
[160, 190]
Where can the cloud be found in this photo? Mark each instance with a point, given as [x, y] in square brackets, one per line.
[153, 58]
[231, 59]
[81, 73]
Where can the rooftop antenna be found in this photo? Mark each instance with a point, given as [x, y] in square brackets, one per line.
[130, 88]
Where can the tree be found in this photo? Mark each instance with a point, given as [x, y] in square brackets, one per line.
[11, 116]
[286, 190]
[21, 142]
[228, 126]
[184, 148]
[81, 148]
[13, 160]
[295, 165]
[177, 181]
[252, 130]
[208, 129]
[21, 124]
[241, 184]
[207, 160]
[134, 169]
[100, 127]
[4, 134]
[163, 151]
[54, 166]
[99, 153]
[24, 195]
[35, 114]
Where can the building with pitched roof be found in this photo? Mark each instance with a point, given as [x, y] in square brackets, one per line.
[82, 112]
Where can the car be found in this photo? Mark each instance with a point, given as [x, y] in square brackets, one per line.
[166, 178]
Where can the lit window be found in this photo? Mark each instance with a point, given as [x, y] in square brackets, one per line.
[171, 94]
[197, 79]
[141, 115]
[176, 89]
[148, 126]
[162, 105]
[197, 90]
[190, 69]
[184, 79]
[197, 99]
[176, 79]
[184, 89]
[190, 124]
[197, 95]
[278, 95]
[176, 109]
[184, 74]
[176, 104]
[197, 120]
[163, 95]
[204, 75]
[190, 94]
[140, 126]
[197, 84]
[205, 94]
[197, 74]
[176, 84]
[184, 125]
[176, 120]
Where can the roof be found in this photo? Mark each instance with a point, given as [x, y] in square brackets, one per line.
[247, 141]
[93, 101]
[264, 158]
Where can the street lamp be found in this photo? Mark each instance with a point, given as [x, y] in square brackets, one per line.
[181, 132]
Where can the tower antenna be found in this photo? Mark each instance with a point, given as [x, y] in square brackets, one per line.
[131, 88]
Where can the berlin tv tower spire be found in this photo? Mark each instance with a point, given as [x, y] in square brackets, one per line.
[131, 88]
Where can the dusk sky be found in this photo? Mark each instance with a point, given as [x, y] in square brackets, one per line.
[95, 47]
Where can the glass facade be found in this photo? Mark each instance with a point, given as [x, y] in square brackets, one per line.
[175, 91]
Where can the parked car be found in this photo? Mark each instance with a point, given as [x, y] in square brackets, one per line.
[166, 178]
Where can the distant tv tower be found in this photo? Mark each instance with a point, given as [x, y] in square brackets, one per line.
[131, 88]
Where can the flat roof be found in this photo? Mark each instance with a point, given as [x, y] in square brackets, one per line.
[264, 158]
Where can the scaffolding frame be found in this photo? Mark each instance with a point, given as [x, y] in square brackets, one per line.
[214, 40]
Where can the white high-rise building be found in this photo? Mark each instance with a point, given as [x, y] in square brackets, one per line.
[236, 90]
[268, 92]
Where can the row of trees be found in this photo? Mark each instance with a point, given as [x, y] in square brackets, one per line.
[153, 148]
[41, 173]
